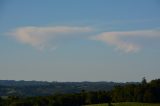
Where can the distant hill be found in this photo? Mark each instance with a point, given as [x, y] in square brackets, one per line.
[43, 88]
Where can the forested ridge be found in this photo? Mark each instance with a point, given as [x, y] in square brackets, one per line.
[43, 88]
[143, 92]
[130, 92]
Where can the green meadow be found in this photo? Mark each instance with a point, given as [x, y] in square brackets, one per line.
[128, 104]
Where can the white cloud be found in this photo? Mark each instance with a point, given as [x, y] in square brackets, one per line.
[116, 39]
[39, 36]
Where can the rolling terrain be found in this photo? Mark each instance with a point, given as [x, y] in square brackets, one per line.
[128, 104]
[43, 88]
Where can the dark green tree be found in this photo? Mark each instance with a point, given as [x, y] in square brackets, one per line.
[144, 81]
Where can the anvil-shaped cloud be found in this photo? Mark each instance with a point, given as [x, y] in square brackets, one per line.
[116, 39]
[39, 36]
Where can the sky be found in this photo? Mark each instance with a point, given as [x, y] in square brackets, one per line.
[79, 40]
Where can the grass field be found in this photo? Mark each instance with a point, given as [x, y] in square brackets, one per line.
[127, 104]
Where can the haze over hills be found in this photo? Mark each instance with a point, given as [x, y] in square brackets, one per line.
[37, 93]
[42, 88]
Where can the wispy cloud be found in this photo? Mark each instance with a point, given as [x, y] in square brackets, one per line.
[116, 39]
[38, 37]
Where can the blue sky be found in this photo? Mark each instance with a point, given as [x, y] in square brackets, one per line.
[80, 40]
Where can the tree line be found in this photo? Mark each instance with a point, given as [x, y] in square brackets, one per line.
[76, 99]
[43, 88]
[142, 92]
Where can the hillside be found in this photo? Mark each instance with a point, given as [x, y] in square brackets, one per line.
[128, 104]
[43, 88]
[123, 94]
